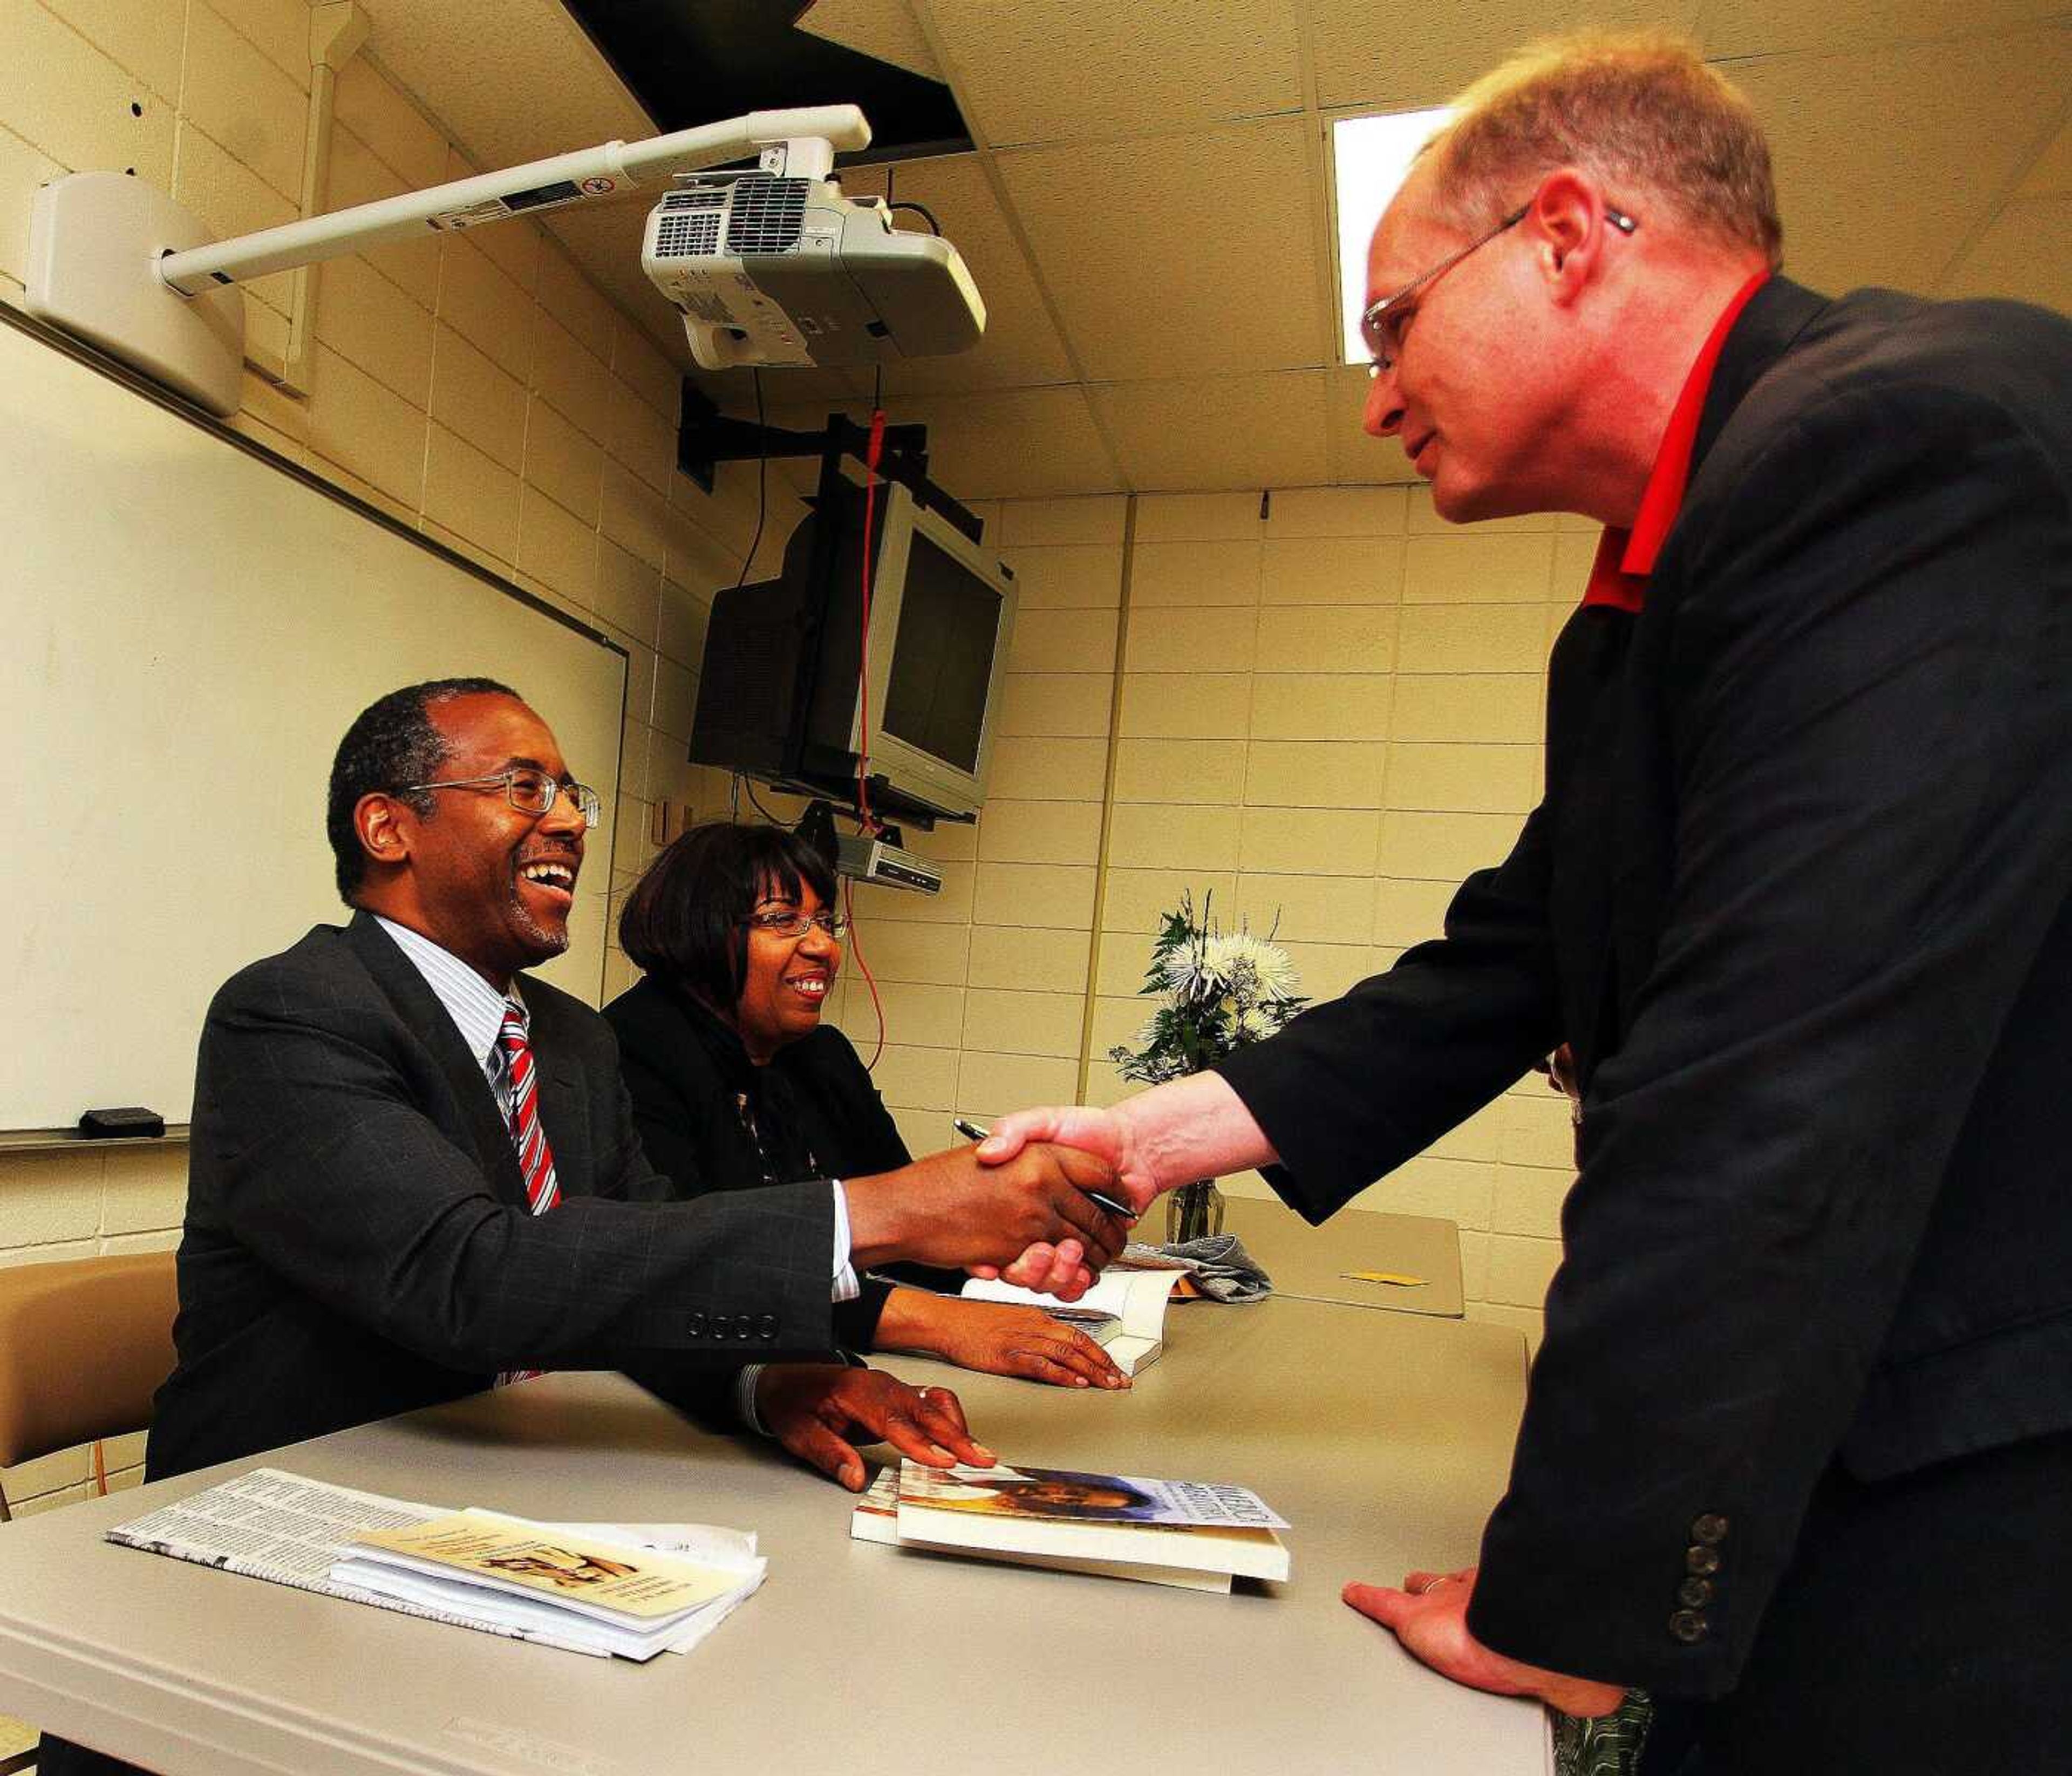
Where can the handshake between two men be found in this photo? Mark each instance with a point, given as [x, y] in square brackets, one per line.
[1024, 1211]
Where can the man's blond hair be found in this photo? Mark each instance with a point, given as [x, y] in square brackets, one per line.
[1640, 109]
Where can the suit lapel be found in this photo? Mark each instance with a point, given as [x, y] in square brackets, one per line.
[1633, 862]
[429, 1021]
[1766, 329]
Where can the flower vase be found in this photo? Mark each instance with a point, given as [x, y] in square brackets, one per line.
[1194, 1212]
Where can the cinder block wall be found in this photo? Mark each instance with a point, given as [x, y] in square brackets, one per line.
[1323, 708]
[1326, 715]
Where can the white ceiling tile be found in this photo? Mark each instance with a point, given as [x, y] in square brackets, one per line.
[1402, 61]
[1866, 202]
[1016, 444]
[1019, 444]
[1021, 347]
[1181, 253]
[883, 28]
[1212, 433]
[1029, 71]
[1355, 458]
[2025, 254]
[514, 84]
[1764, 27]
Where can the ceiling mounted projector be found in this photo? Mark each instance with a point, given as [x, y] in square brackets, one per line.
[796, 274]
[772, 269]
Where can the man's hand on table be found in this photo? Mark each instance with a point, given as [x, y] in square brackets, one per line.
[1429, 1615]
[949, 1210]
[996, 1337]
[820, 1412]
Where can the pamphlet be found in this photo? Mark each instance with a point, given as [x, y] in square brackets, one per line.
[683, 1578]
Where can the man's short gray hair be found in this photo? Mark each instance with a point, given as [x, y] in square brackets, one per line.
[1639, 110]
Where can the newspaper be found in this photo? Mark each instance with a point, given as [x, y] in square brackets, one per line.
[288, 1530]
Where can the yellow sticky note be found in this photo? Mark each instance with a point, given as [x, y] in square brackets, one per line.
[1394, 1276]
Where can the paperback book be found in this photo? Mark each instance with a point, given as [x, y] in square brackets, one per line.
[1169, 1532]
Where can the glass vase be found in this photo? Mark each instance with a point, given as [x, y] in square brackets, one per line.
[1194, 1212]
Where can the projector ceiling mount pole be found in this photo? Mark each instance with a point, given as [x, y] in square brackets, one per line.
[119, 263]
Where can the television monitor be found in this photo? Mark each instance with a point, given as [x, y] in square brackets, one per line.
[779, 696]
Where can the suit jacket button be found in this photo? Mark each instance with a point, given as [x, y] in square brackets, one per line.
[1688, 1626]
[765, 1328]
[696, 1328]
[1695, 1594]
[1710, 1529]
[1701, 1561]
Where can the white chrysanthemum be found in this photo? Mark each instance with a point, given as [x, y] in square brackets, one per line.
[1255, 968]
[1184, 972]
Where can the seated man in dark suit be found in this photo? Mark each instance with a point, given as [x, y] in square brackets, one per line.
[414, 1172]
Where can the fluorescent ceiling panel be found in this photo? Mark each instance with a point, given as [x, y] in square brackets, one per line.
[1370, 159]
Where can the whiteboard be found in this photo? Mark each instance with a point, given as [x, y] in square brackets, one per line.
[190, 627]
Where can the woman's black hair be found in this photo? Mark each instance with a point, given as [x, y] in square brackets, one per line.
[686, 921]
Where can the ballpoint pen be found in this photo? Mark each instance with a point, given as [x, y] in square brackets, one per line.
[971, 1131]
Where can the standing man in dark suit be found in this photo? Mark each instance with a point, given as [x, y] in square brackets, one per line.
[1797, 1453]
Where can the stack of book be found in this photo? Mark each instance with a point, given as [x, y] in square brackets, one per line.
[1193, 1533]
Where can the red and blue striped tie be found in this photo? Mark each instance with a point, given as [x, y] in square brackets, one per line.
[536, 1159]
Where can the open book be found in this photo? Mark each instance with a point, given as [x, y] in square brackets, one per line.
[1124, 1311]
[672, 1584]
[1178, 1532]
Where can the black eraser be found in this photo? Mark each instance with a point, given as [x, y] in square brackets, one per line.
[131, 1122]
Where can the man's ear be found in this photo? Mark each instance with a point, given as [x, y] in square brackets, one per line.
[1568, 223]
[380, 819]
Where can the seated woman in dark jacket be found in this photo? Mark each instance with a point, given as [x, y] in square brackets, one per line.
[737, 1084]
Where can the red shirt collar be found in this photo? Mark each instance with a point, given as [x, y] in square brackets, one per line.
[1625, 558]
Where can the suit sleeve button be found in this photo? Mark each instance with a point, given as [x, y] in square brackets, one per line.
[696, 1328]
[1695, 1594]
[1688, 1626]
[1702, 1561]
[766, 1327]
[1711, 1529]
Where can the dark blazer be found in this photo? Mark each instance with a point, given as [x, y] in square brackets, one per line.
[1800, 894]
[714, 1120]
[357, 1243]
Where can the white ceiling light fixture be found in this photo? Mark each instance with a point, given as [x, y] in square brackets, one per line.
[1370, 159]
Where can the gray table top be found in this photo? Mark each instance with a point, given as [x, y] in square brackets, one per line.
[1311, 1263]
[1383, 1437]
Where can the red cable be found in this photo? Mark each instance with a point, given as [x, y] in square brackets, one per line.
[872, 457]
[856, 950]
